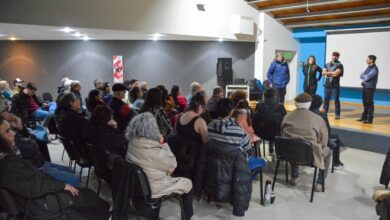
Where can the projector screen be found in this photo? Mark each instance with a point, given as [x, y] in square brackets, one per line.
[354, 49]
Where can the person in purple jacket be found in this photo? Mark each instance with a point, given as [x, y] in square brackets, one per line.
[278, 76]
[369, 80]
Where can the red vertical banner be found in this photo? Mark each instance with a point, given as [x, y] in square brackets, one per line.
[117, 65]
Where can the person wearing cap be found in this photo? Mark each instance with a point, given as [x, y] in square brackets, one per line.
[18, 85]
[26, 105]
[121, 111]
[106, 92]
[278, 76]
[332, 73]
[304, 124]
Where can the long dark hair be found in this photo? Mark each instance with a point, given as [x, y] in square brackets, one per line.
[175, 92]
[164, 94]
[101, 115]
[134, 94]
[314, 66]
[198, 99]
[92, 98]
[153, 98]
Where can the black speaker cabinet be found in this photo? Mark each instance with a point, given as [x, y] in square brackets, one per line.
[224, 72]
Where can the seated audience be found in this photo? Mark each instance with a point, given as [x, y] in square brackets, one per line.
[156, 159]
[382, 197]
[4, 106]
[136, 98]
[64, 86]
[29, 151]
[71, 123]
[26, 181]
[211, 106]
[304, 124]
[242, 118]
[133, 83]
[144, 89]
[180, 101]
[190, 124]
[75, 88]
[237, 95]
[168, 104]
[334, 140]
[94, 99]
[268, 118]
[195, 87]
[26, 105]
[18, 86]
[106, 92]
[98, 83]
[121, 111]
[153, 104]
[5, 91]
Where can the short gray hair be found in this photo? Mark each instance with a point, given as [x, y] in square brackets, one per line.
[195, 87]
[143, 125]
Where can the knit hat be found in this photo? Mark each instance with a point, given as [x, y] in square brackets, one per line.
[303, 100]
[31, 86]
[118, 87]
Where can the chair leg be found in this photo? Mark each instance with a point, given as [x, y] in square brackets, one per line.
[257, 150]
[182, 212]
[89, 171]
[323, 180]
[286, 164]
[314, 182]
[261, 188]
[276, 172]
[81, 172]
[100, 184]
[63, 152]
[333, 161]
[264, 148]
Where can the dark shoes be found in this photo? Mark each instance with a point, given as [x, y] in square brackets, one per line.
[337, 117]
[368, 121]
[361, 119]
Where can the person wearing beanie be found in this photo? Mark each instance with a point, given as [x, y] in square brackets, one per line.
[332, 73]
[304, 124]
[121, 111]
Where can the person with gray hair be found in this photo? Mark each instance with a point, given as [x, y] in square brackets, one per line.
[147, 150]
[195, 87]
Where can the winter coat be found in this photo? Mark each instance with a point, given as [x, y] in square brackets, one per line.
[19, 105]
[155, 159]
[278, 74]
[226, 175]
[122, 113]
[385, 174]
[304, 124]
[268, 119]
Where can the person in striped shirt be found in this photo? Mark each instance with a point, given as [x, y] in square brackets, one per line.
[225, 129]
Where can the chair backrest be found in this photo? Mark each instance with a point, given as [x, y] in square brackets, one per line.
[99, 160]
[294, 150]
[70, 148]
[8, 204]
[266, 128]
[47, 97]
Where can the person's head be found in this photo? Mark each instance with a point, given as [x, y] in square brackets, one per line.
[316, 102]
[303, 101]
[237, 95]
[143, 125]
[133, 83]
[98, 83]
[143, 86]
[30, 89]
[218, 91]
[18, 82]
[371, 59]
[164, 93]
[68, 102]
[279, 57]
[311, 60]
[198, 102]
[175, 91]
[243, 104]
[195, 87]
[119, 90]
[240, 115]
[75, 86]
[106, 87]
[4, 85]
[224, 107]
[7, 136]
[101, 115]
[135, 93]
[270, 93]
[335, 56]
[153, 98]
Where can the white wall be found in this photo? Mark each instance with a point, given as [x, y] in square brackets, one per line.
[179, 17]
[275, 37]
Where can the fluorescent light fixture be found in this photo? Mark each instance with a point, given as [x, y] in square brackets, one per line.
[67, 30]
[220, 39]
[86, 38]
[77, 34]
[157, 35]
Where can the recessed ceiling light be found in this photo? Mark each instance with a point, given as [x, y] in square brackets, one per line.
[86, 38]
[13, 38]
[157, 35]
[67, 30]
[220, 39]
[77, 34]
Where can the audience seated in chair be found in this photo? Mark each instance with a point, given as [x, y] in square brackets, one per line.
[304, 124]
[106, 92]
[180, 101]
[195, 87]
[156, 159]
[121, 111]
[382, 197]
[94, 99]
[211, 105]
[28, 183]
[75, 88]
[268, 118]
[135, 96]
[18, 86]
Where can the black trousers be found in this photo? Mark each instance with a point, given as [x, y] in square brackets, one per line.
[368, 103]
[310, 89]
[281, 93]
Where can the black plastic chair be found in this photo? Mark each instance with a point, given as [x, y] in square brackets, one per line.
[267, 130]
[299, 152]
[99, 160]
[143, 190]
[75, 158]
[15, 212]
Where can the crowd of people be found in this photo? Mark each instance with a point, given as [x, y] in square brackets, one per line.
[189, 146]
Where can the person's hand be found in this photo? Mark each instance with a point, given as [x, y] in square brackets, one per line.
[44, 105]
[112, 123]
[161, 139]
[71, 189]
[170, 170]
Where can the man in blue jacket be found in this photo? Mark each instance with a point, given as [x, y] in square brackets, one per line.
[278, 76]
[370, 79]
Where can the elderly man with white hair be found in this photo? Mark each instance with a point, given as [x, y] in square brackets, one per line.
[304, 124]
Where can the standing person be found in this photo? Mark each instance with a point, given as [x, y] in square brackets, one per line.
[370, 79]
[310, 70]
[332, 72]
[278, 76]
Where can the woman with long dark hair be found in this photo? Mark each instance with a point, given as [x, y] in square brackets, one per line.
[180, 101]
[310, 70]
[94, 99]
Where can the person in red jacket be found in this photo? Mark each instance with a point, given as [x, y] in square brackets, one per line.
[180, 101]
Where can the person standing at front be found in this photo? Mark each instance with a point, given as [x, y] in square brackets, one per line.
[310, 70]
[278, 76]
[370, 79]
[332, 73]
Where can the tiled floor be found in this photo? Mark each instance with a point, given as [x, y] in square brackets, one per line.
[348, 195]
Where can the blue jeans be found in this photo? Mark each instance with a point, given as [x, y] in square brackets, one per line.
[40, 114]
[335, 93]
[61, 173]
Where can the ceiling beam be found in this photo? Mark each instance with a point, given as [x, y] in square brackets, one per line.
[258, 1]
[304, 5]
[335, 12]
[358, 20]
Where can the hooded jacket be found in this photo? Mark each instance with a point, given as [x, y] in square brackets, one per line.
[278, 74]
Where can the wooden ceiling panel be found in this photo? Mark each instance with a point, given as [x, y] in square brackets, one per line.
[270, 3]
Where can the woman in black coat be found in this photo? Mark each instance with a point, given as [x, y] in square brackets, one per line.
[310, 70]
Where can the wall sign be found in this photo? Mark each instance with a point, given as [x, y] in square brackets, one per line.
[118, 68]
